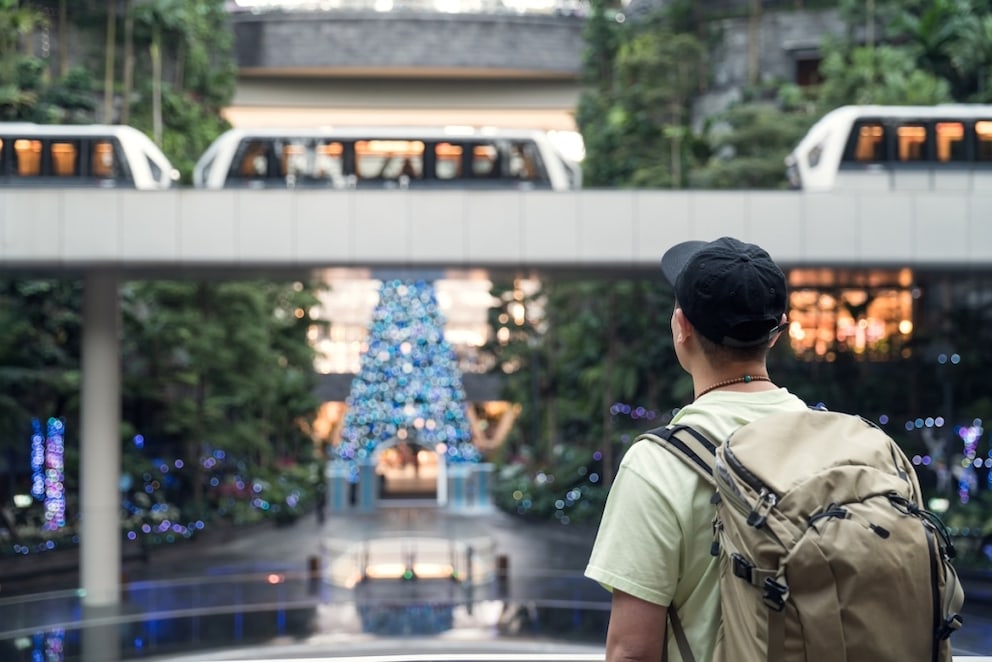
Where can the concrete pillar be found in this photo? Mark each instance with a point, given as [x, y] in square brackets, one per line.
[100, 444]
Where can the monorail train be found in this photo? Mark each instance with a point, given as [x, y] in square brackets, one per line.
[943, 147]
[90, 155]
[385, 157]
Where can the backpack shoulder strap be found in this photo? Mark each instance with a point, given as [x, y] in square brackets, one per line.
[689, 445]
[698, 452]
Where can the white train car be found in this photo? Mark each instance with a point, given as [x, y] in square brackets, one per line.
[86, 155]
[385, 157]
[942, 147]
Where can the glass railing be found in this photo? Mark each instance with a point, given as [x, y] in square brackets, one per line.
[285, 616]
[197, 615]
[403, 597]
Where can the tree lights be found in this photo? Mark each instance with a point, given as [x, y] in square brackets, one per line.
[48, 470]
[408, 385]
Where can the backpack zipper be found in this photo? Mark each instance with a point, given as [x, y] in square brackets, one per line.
[757, 514]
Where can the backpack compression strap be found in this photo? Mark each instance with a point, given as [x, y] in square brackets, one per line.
[689, 445]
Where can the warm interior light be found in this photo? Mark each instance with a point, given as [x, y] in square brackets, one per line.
[871, 318]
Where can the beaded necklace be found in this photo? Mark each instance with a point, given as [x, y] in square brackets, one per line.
[746, 379]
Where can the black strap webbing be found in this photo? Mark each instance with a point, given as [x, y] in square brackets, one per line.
[697, 451]
[688, 444]
[680, 639]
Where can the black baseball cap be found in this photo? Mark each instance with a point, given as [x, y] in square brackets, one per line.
[732, 292]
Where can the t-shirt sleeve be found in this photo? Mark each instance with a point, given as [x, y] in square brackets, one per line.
[639, 544]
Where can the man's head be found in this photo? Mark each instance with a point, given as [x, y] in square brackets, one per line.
[731, 292]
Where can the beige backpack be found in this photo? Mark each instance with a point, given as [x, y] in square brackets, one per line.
[826, 552]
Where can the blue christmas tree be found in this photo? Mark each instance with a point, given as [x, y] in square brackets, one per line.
[408, 380]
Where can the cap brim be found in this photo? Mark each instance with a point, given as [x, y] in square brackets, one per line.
[676, 257]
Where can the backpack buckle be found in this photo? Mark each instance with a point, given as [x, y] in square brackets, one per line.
[949, 626]
[774, 594]
[742, 567]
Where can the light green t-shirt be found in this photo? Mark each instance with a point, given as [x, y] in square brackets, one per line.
[655, 536]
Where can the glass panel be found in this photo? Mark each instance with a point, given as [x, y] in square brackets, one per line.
[525, 162]
[449, 161]
[254, 160]
[868, 315]
[65, 159]
[912, 141]
[328, 161]
[983, 141]
[294, 159]
[154, 168]
[485, 161]
[950, 142]
[28, 156]
[104, 161]
[389, 159]
[869, 143]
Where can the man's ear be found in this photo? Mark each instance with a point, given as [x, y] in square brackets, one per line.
[683, 327]
[783, 321]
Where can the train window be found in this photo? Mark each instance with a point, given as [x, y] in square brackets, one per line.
[950, 142]
[104, 163]
[911, 142]
[983, 141]
[27, 157]
[65, 158]
[867, 143]
[293, 159]
[448, 161]
[153, 167]
[327, 161]
[389, 159]
[525, 162]
[252, 160]
[485, 162]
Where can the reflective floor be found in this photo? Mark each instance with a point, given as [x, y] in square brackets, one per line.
[407, 570]
[407, 580]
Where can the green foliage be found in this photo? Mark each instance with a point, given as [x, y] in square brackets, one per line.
[40, 335]
[195, 42]
[225, 364]
[570, 492]
[68, 101]
[190, 127]
[597, 343]
[881, 75]
[749, 143]
[644, 77]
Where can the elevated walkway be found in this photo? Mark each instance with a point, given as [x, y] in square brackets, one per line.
[180, 232]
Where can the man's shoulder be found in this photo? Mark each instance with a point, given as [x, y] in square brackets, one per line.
[720, 414]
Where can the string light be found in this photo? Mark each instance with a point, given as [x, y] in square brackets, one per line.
[37, 460]
[408, 381]
[55, 475]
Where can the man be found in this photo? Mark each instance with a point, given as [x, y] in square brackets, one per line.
[652, 550]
